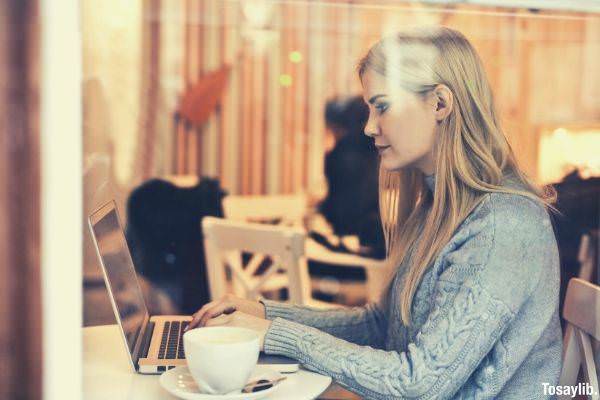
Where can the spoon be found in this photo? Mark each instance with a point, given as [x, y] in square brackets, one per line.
[261, 384]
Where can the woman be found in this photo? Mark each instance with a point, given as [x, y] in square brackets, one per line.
[472, 310]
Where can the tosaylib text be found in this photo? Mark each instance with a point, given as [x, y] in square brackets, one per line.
[584, 389]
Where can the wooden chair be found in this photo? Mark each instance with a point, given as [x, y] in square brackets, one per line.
[377, 271]
[291, 210]
[582, 312]
[278, 209]
[588, 257]
[224, 240]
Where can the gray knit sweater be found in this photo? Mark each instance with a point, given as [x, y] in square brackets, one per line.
[485, 318]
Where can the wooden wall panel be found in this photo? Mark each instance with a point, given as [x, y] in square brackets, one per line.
[275, 132]
[246, 121]
[299, 131]
[212, 43]
[229, 171]
[315, 59]
[172, 31]
[342, 42]
[257, 138]
[287, 97]
[197, 37]
[149, 88]
[268, 137]
[591, 60]
[223, 123]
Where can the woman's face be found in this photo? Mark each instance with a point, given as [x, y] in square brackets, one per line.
[401, 123]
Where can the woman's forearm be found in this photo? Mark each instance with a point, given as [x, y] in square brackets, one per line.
[360, 325]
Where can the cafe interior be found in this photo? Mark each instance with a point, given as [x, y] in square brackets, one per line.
[227, 137]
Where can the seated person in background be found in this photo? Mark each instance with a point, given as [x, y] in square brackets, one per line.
[164, 234]
[351, 168]
[578, 202]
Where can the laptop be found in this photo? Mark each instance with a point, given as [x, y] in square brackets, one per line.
[154, 342]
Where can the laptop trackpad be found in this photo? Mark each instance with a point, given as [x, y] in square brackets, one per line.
[281, 364]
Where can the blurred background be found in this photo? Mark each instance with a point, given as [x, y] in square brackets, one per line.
[248, 111]
[256, 94]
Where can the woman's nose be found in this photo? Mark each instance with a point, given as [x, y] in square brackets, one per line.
[371, 128]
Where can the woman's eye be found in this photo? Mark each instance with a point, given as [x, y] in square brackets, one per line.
[381, 107]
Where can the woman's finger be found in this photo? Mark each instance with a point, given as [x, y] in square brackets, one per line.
[198, 314]
[221, 320]
[217, 310]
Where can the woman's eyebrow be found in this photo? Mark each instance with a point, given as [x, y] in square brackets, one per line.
[372, 99]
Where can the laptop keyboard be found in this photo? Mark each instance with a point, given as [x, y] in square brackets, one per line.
[171, 344]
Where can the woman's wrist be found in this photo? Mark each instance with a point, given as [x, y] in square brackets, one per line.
[262, 309]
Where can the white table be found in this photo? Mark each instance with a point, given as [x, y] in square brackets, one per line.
[107, 373]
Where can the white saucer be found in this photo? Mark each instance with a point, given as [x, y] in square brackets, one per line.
[179, 382]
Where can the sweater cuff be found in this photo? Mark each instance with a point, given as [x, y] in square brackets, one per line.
[282, 338]
[274, 309]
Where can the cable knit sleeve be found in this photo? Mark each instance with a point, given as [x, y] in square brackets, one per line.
[479, 292]
[359, 325]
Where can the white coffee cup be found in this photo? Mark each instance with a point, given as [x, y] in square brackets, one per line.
[222, 358]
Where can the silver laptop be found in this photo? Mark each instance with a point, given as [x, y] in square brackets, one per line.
[154, 343]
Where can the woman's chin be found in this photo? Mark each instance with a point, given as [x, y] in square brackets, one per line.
[392, 165]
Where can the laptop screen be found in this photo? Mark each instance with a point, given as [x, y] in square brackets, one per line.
[120, 272]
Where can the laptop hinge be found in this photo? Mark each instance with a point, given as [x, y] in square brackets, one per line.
[139, 341]
[145, 345]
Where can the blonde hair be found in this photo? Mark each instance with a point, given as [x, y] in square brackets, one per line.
[471, 151]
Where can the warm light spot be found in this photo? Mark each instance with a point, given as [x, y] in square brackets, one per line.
[258, 13]
[285, 80]
[296, 57]
[561, 134]
[562, 150]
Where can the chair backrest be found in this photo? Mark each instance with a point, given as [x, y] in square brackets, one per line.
[582, 312]
[588, 257]
[225, 239]
[285, 209]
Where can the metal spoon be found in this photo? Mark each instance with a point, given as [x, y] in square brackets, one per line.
[261, 384]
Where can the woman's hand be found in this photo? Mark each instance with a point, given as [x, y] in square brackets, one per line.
[242, 320]
[228, 304]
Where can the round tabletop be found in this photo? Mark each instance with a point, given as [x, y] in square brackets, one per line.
[107, 373]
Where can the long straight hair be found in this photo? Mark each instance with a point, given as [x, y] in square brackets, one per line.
[472, 154]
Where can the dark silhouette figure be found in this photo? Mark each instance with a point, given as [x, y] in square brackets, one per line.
[165, 237]
[578, 201]
[352, 173]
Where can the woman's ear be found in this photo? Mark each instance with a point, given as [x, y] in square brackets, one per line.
[444, 101]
